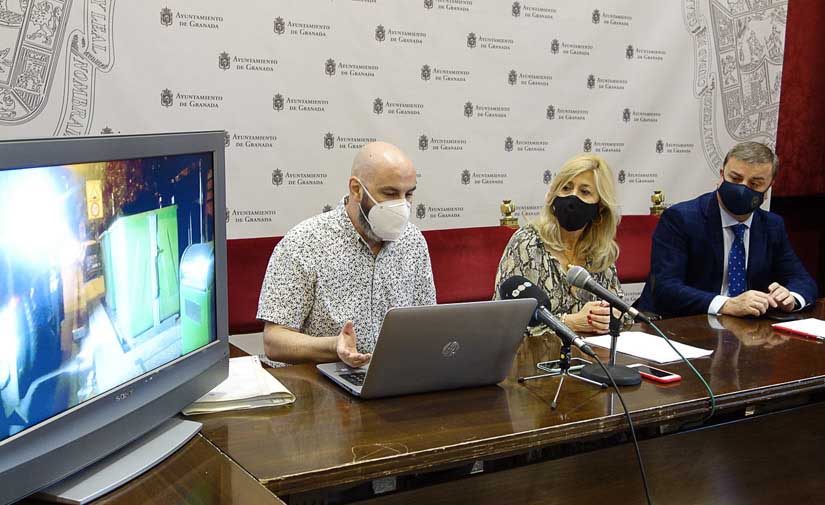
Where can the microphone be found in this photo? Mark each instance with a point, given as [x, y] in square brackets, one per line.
[579, 277]
[521, 287]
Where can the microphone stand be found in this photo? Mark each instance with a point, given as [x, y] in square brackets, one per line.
[615, 326]
[622, 375]
[561, 367]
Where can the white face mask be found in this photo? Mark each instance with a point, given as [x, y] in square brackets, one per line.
[387, 219]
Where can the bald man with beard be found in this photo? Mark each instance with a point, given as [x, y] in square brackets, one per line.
[332, 278]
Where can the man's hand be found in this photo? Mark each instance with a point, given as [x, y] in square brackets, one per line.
[783, 298]
[749, 303]
[345, 347]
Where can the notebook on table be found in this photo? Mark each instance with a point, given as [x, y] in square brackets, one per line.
[810, 328]
[435, 347]
[248, 386]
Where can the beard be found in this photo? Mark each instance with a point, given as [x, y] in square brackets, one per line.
[365, 225]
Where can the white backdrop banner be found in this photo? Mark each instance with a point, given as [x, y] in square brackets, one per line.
[488, 97]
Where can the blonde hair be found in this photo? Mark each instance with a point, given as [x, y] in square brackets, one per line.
[598, 241]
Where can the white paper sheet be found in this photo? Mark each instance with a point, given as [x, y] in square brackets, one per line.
[248, 386]
[648, 347]
[811, 327]
[246, 380]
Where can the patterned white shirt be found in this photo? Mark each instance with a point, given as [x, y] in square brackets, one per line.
[323, 273]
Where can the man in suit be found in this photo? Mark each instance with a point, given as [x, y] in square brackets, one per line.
[721, 254]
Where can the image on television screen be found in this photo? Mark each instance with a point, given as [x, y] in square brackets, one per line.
[106, 272]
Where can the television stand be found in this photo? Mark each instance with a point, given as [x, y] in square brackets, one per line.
[122, 465]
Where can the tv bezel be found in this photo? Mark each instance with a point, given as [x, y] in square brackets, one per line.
[57, 447]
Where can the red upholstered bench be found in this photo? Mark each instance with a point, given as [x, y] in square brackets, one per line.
[465, 261]
[464, 264]
[246, 261]
[634, 237]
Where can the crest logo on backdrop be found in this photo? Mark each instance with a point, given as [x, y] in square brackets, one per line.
[551, 112]
[468, 109]
[329, 141]
[423, 142]
[426, 73]
[380, 33]
[465, 177]
[329, 67]
[516, 10]
[471, 40]
[277, 177]
[31, 35]
[749, 57]
[166, 98]
[279, 26]
[224, 61]
[166, 16]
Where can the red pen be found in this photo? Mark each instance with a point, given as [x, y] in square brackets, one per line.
[799, 333]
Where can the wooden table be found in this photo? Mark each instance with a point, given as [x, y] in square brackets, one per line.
[770, 459]
[197, 474]
[763, 446]
[328, 438]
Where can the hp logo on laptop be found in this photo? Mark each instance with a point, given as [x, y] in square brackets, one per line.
[450, 349]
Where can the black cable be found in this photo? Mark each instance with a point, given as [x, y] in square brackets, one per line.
[632, 430]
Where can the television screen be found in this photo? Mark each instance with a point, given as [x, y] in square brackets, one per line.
[106, 273]
[112, 294]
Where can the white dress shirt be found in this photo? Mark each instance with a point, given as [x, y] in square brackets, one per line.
[728, 235]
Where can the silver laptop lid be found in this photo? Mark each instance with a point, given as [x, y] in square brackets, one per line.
[446, 346]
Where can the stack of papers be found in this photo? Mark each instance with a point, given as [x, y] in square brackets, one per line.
[648, 347]
[811, 328]
[248, 386]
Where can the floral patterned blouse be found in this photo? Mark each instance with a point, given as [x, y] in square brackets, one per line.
[526, 255]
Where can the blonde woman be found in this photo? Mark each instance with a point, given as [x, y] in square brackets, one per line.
[577, 226]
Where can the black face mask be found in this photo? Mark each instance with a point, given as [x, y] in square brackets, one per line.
[739, 199]
[573, 213]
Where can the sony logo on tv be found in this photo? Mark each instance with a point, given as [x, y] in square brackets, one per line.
[124, 395]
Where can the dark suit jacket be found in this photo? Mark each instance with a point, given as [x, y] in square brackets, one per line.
[687, 254]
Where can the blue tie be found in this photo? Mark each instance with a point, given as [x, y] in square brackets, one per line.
[736, 262]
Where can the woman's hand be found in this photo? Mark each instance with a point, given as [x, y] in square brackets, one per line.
[594, 317]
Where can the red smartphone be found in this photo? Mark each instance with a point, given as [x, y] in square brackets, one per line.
[656, 374]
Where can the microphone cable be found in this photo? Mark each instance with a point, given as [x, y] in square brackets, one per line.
[632, 431]
[696, 372]
[579, 277]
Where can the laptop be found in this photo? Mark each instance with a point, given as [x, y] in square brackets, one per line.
[435, 347]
